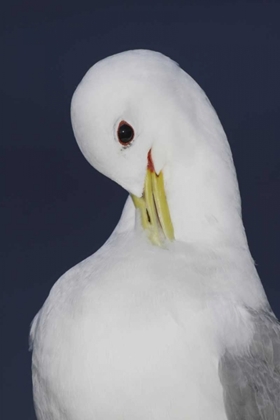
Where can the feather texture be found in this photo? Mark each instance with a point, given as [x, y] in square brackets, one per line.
[251, 381]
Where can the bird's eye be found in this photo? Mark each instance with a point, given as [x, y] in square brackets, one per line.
[125, 133]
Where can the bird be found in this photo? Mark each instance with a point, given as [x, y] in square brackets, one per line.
[168, 320]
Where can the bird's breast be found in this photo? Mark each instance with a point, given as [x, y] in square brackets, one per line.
[127, 350]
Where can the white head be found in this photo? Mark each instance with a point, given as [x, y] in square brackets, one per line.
[170, 116]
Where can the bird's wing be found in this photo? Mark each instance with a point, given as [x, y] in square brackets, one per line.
[251, 382]
[32, 330]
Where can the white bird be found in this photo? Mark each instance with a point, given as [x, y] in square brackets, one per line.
[168, 320]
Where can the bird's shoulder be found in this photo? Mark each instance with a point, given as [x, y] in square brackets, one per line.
[72, 282]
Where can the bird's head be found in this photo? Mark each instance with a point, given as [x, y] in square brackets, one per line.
[135, 116]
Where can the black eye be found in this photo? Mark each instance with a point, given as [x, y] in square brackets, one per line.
[125, 133]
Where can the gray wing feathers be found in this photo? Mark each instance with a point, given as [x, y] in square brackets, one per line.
[251, 382]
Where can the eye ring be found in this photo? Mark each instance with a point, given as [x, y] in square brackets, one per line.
[125, 133]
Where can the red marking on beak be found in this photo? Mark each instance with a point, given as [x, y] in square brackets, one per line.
[150, 164]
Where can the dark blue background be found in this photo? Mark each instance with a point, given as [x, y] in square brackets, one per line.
[56, 209]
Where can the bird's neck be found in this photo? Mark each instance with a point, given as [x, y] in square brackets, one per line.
[204, 200]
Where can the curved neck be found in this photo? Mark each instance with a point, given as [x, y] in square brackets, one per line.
[204, 199]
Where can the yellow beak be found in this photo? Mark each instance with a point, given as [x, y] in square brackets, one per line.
[155, 215]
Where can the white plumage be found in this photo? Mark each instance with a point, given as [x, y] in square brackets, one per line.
[145, 332]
